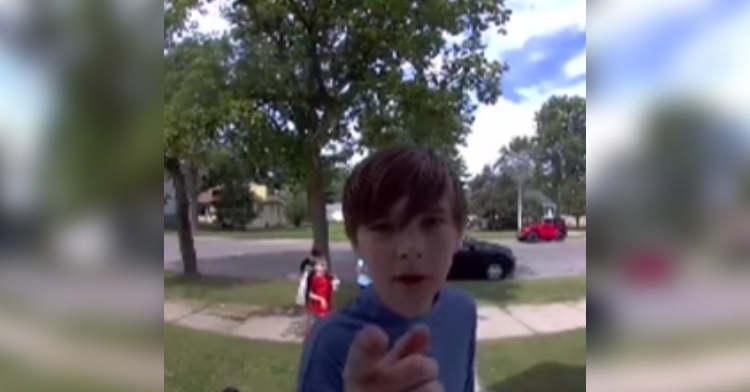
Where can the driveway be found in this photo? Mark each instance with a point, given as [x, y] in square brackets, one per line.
[279, 259]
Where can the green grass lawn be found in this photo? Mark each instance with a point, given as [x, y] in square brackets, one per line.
[279, 295]
[200, 361]
[336, 233]
[537, 364]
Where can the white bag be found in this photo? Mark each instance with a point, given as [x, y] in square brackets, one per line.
[302, 290]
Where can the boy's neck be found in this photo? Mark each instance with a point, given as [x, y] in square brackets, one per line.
[409, 310]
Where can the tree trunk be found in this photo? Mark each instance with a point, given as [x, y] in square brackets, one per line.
[192, 185]
[184, 228]
[316, 199]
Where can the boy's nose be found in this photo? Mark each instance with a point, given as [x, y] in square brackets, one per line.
[410, 254]
[411, 245]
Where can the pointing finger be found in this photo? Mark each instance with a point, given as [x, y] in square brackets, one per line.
[368, 349]
[415, 341]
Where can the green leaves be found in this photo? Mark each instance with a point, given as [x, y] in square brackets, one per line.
[561, 136]
[198, 101]
[328, 70]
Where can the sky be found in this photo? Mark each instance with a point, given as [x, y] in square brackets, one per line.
[639, 48]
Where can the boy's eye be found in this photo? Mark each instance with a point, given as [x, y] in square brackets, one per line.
[382, 227]
[431, 221]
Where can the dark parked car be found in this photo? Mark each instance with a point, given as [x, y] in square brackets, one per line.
[480, 260]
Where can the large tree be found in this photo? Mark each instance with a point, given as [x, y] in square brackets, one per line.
[197, 108]
[336, 77]
[561, 146]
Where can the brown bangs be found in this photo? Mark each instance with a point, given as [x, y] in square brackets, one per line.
[418, 175]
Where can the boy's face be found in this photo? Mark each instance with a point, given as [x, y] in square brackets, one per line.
[321, 267]
[409, 263]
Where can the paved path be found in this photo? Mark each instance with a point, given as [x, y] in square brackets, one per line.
[493, 322]
[276, 259]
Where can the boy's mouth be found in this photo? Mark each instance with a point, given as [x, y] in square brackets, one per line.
[410, 279]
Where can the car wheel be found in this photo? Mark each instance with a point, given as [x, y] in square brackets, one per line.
[532, 237]
[495, 271]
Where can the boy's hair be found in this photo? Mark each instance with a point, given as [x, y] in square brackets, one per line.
[382, 179]
[315, 252]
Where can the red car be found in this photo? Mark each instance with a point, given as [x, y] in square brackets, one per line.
[554, 229]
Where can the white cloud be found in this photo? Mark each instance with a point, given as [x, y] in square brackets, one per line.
[535, 18]
[494, 127]
[576, 66]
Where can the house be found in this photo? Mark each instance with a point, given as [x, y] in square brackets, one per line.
[268, 207]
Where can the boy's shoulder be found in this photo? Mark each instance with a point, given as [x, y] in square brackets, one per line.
[458, 300]
[329, 340]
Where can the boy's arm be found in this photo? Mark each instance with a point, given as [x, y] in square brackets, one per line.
[471, 371]
[320, 370]
[470, 380]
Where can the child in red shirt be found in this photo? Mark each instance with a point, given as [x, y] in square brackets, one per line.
[320, 288]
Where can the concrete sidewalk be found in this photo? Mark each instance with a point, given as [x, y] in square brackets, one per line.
[493, 322]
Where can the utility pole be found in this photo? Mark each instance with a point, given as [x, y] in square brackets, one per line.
[521, 167]
[520, 206]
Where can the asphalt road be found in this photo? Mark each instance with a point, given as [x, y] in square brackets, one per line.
[279, 259]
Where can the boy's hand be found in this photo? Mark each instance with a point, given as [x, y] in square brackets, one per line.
[371, 368]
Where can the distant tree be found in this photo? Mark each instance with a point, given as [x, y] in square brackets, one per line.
[561, 152]
[492, 197]
[295, 207]
[235, 207]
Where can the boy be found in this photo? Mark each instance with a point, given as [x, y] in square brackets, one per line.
[405, 213]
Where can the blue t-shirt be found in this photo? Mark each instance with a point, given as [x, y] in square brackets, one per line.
[452, 323]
